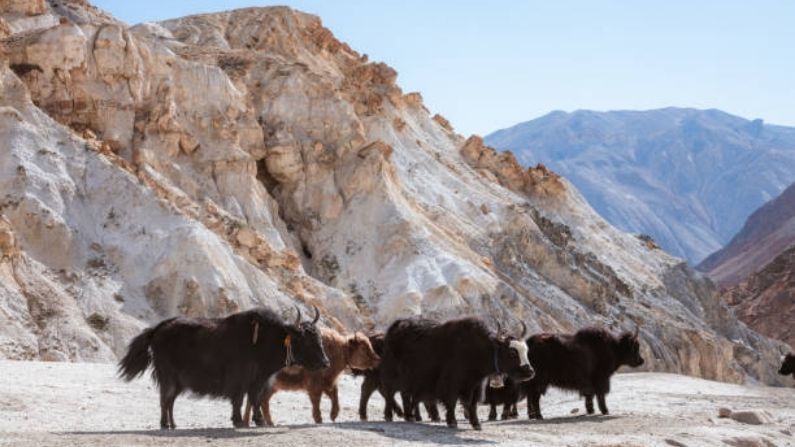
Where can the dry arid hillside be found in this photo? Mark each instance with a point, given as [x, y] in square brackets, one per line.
[212, 163]
[766, 299]
[768, 232]
[756, 271]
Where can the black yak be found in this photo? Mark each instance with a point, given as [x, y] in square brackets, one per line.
[582, 362]
[372, 382]
[222, 357]
[788, 365]
[448, 362]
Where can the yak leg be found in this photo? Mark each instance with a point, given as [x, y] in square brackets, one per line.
[171, 408]
[449, 407]
[333, 394]
[589, 403]
[432, 409]
[237, 419]
[389, 405]
[472, 403]
[492, 411]
[506, 411]
[408, 406]
[314, 397]
[247, 410]
[534, 404]
[265, 406]
[600, 399]
[416, 411]
[514, 410]
[252, 402]
[368, 388]
[168, 393]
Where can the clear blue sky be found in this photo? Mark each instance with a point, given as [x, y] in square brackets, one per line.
[487, 65]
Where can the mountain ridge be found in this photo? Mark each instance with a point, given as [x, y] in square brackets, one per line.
[767, 232]
[685, 176]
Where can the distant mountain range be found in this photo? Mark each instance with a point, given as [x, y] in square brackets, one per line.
[689, 178]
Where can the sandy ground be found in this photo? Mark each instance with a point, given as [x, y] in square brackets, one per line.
[62, 404]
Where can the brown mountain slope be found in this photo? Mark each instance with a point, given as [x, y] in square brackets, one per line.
[766, 300]
[767, 232]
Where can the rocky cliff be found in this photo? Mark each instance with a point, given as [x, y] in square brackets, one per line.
[766, 299]
[211, 163]
[756, 270]
[767, 233]
[688, 178]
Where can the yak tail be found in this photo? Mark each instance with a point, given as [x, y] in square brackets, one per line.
[138, 357]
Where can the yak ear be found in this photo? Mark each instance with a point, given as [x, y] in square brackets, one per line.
[255, 335]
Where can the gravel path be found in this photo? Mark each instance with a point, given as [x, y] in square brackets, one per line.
[85, 405]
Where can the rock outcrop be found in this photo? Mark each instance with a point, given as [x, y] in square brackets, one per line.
[766, 299]
[215, 162]
[756, 270]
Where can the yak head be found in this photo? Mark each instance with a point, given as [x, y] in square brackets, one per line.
[629, 349]
[787, 365]
[359, 352]
[510, 357]
[304, 344]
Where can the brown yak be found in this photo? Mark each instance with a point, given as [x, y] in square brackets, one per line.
[351, 351]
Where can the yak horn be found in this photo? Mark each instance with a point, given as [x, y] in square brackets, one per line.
[298, 315]
[524, 331]
[637, 331]
[317, 315]
[499, 327]
[256, 333]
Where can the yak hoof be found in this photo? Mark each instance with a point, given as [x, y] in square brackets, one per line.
[477, 427]
[240, 424]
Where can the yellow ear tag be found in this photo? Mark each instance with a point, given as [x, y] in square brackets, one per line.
[287, 341]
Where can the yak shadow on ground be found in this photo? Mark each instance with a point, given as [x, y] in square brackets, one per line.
[406, 431]
[425, 432]
[208, 433]
[562, 420]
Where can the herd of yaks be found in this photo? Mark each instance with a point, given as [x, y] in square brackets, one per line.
[254, 354]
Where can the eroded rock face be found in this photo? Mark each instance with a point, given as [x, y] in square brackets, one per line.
[767, 232]
[211, 163]
[766, 299]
